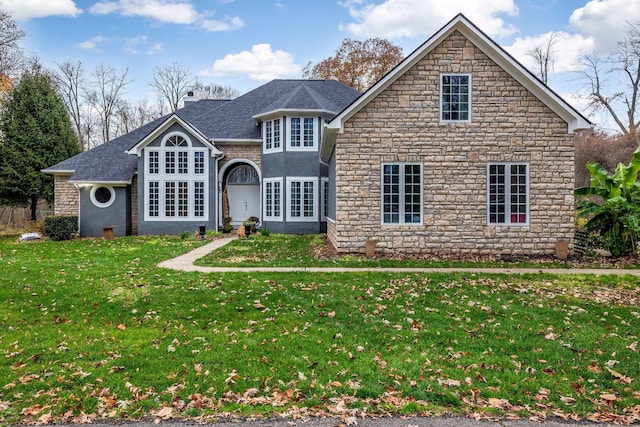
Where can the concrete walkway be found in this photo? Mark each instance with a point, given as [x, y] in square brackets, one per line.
[185, 263]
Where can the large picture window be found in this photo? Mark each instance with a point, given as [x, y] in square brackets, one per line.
[455, 97]
[508, 193]
[302, 203]
[175, 184]
[402, 193]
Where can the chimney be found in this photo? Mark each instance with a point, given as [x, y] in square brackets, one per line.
[189, 99]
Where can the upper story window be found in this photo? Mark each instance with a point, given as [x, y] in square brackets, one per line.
[176, 141]
[302, 133]
[271, 137]
[455, 97]
[508, 194]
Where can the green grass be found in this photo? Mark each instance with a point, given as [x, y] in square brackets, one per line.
[284, 250]
[92, 328]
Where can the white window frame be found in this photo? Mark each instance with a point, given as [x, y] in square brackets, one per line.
[324, 195]
[162, 178]
[274, 148]
[275, 218]
[470, 95]
[507, 195]
[401, 194]
[302, 180]
[314, 146]
[94, 200]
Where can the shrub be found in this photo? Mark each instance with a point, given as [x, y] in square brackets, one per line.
[611, 205]
[61, 227]
[185, 234]
[265, 232]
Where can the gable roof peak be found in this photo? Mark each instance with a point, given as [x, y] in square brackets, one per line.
[574, 119]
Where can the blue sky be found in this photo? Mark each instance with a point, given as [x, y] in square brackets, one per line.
[244, 43]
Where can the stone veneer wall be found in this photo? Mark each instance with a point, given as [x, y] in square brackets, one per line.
[402, 124]
[65, 196]
[235, 151]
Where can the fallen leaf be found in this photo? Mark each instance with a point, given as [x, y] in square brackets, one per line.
[608, 397]
[619, 376]
[163, 414]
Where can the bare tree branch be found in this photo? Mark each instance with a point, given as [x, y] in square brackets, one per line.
[70, 83]
[172, 82]
[622, 66]
[109, 88]
[545, 57]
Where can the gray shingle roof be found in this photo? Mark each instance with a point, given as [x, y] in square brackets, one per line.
[215, 119]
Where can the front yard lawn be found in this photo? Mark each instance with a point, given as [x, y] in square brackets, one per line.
[93, 329]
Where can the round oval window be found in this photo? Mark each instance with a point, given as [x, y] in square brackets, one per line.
[103, 196]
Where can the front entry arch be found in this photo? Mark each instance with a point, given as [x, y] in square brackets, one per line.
[241, 192]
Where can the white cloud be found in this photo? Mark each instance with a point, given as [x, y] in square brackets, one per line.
[27, 9]
[259, 64]
[605, 21]
[566, 50]
[92, 43]
[228, 24]
[411, 18]
[140, 44]
[167, 11]
[161, 10]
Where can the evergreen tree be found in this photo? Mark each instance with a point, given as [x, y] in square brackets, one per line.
[35, 133]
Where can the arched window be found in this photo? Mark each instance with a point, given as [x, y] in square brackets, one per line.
[243, 174]
[176, 141]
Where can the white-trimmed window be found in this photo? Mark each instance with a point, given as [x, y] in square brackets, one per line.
[272, 136]
[102, 196]
[302, 203]
[302, 133]
[402, 193]
[325, 199]
[455, 97]
[175, 180]
[272, 209]
[508, 193]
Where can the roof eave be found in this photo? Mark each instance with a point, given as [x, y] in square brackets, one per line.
[92, 182]
[58, 171]
[282, 111]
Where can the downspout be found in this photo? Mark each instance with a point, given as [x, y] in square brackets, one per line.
[218, 191]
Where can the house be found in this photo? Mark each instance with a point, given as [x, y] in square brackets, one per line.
[253, 156]
[459, 149]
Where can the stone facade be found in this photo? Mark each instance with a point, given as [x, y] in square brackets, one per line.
[251, 152]
[402, 124]
[65, 197]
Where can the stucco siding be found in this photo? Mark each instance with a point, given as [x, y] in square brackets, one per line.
[402, 124]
